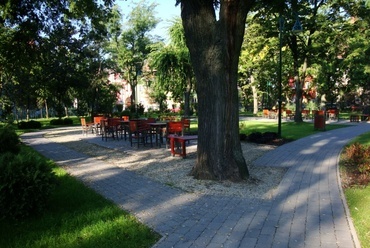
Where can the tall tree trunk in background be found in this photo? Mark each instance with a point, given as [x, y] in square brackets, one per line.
[214, 50]
[187, 94]
[297, 81]
[66, 111]
[255, 100]
[46, 110]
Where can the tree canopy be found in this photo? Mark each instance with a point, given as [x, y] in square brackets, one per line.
[45, 47]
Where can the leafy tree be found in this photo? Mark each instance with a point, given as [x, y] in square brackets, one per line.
[47, 37]
[132, 47]
[257, 64]
[173, 67]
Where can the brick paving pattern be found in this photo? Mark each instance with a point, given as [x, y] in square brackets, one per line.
[308, 210]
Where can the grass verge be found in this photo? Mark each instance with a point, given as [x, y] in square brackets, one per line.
[358, 200]
[289, 130]
[77, 217]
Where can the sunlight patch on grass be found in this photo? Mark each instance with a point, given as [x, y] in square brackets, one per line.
[77, 217]
[358, 200]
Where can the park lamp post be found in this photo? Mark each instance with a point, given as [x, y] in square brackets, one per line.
[297, 28]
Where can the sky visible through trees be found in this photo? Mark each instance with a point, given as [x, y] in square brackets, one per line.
[166, 11]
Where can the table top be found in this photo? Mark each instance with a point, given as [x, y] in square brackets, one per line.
[185, 137]
[157, 124]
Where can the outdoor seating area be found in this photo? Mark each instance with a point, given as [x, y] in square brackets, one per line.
[142, 132]
[307, 114]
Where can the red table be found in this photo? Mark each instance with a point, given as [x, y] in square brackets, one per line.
[181, 140]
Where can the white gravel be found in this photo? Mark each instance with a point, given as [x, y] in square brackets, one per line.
[159, 165]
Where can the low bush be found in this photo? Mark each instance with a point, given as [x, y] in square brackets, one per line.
[59, 122]
[56, 122]
[67, 121]
[29, 125]
[262, 138]
[357, 163]
[9, 140]
[26, 182]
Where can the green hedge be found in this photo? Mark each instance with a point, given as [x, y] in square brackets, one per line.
[9, 140]
[26, 182]
[29, 125]
[65, 121]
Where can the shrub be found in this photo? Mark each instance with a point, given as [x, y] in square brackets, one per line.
[126, 113]
[262, 138]
[67, 121]
[29, 125]
[357, 162]
[26, 182]
[357, 154]
[255, 137]
[56, 122]
[9, 140]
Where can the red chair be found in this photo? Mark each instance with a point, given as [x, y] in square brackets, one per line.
[151, 120]
[97, 128]
[289, 114]
[186, 125]
[110, 128]
[86, 127]
[305, 114]
[174, 127]
[116, 125]
[139, 132]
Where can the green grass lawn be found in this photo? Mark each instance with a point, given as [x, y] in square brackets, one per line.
[289, 130]
[76, 217]
[79, 217]
[358, 200]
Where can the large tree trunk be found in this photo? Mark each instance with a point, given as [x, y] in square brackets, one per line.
[214, 49]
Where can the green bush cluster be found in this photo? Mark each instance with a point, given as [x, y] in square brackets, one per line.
[29, 125]
[9, 140]
[357, 159]
[26, 180]
[65, 121]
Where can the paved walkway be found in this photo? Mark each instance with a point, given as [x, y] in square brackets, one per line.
[308, 210]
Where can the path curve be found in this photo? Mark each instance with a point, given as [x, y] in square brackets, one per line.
[308, 210]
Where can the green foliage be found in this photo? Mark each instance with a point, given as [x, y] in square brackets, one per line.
[65, 121]
[311, 105]
[358, 158]
[25, 185]
[9, 140]
[77, 216]
[358, 200]
[289, 130]
[290, 106]
[126, 113]
[29, 125]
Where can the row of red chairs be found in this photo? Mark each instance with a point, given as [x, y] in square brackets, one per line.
[139, 131]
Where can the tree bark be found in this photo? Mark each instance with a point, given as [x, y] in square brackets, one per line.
[214, 47]
[255, 99]
[187, 97]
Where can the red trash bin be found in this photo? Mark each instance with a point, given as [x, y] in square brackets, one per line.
[319, 120]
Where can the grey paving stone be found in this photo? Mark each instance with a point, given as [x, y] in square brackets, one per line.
[307, 210]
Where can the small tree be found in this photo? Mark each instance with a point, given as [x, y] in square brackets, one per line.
[132, 47]
[173, 67]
